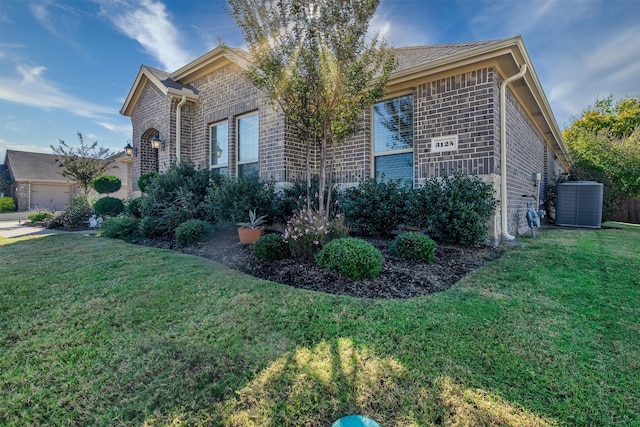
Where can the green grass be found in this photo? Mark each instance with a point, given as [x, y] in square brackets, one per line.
[99, 332]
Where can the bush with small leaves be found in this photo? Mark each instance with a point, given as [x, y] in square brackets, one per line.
[146, 179]
[121, 227]
[7, 204]
[74, 216]
[193, 231]
[41, 216]
[271, 247]
[229, 199]
[109, 206]
[107, 184]
[133, 207]
[355, 258]
[413, 246]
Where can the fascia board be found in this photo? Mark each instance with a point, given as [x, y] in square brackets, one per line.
[206, 64]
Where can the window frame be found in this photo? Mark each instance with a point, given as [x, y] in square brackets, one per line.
[374, 154]
[213, 167]
[250, 161]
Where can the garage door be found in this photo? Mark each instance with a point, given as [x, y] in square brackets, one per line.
[50, 197]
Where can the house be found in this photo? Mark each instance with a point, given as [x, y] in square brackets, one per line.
[476, 108]
[38, 184]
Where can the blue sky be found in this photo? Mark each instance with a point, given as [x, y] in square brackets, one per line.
[67, 66]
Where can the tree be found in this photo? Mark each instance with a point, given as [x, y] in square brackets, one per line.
[83, 164]
[605, 146]
[316, 65]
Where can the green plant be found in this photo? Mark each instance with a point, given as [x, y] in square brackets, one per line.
[355, 258]
[375, 207]
[77, 213]
[111, 206]
[7, 204]
[149, 226]
[229, 199]
[254, 220]
[271, 247]
[307, 232]
[413, 246]
[454, 208]
[133, 207]
[146, 179]
[294, 198]
[193, 231]
[121, 227]
[107, 184]
[40, 216]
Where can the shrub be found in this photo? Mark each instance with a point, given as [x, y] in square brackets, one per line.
[133, 207]
[121, 227]
[149, 226]
[454, 208]
[78, 212]
[413, 246]
[294, 198]
[40, 216]
[106, 184]
[146, 179]
[229, 200]
[355, 258]
[111, 206]
[7, 204]
[375, 207]
[308, 231]
[175, 197]
[192, 231]
[271, 247]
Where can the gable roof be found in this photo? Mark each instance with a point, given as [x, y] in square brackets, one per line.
[25, 166]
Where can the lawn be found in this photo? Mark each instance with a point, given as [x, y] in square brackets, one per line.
[99, 332]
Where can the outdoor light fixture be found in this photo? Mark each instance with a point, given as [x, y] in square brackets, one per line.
[129, 150]
[157, 143]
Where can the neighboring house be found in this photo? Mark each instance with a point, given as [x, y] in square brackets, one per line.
[442, 113]
[38, 184]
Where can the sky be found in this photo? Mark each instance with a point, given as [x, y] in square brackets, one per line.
[67, 66]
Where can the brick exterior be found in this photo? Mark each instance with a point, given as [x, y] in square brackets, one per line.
[463, 104]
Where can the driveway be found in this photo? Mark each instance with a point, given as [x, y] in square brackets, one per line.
[18, 228]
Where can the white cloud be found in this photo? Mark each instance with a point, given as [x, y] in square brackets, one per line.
[32, 89]
[125, 129]
[150, 25]
[18, 146]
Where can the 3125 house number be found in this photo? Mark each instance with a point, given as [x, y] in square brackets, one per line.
[444, 143]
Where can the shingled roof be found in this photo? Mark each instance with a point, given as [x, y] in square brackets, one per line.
[25, 166]
[413, 56]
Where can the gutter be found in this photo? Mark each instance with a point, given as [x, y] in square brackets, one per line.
[179, 125]
[503, 149]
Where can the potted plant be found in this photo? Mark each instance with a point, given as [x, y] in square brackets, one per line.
[251, 231]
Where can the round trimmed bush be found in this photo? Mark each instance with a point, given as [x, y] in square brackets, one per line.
[413, 246]
[106, 184]
[271, 247]
[145, 180]
[109, 206]
[192, 231]
[355, 258]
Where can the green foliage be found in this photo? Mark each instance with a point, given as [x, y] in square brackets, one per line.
[307, 232]
[619, 118]
[75, 215]
[454, 208]
[107, 184]
[133, 207]
[375, 207]
[82, 164]
[146, 179]
[294, 198]
[176, 196]
[40, 216]
[355, 258]
[193, 231]
[230, 199]
[254, 222]
[111, 206]
[271, 247]
[149, 226]
[7, 204]
[121, 227]
[322, 71]
[413, 246]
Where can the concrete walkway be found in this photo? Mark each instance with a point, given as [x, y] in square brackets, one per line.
[18, 228]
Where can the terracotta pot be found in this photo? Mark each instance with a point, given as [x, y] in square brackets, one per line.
[248, 236]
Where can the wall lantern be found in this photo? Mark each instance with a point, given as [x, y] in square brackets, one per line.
[157, 143]
[129, 150]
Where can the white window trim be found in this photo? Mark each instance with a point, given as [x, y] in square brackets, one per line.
[246, 162]
[212, 125]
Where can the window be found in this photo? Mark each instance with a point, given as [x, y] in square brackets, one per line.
[393, 138]
[248, 145]
[219, 147]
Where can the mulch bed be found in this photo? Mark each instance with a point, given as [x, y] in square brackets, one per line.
[399, 278]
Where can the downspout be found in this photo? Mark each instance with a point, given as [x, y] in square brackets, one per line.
[503, 149]
[29, 205]
[179, 125]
